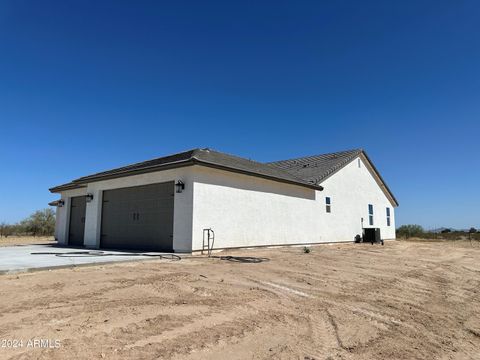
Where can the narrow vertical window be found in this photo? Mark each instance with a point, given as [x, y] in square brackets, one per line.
[370, 214]
[388, 216]
[328, 204]
[359, 163]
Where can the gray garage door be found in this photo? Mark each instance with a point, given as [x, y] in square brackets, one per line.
[77, 221]
[138, 218]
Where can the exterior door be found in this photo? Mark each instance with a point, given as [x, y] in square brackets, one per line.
[138, 218]
[76, 230]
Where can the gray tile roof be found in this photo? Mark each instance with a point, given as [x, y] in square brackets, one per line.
[205, 157]
[222, 160]
[144, 166]
[307, 171]
[318, 167]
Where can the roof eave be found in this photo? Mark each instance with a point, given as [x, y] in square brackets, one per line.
[64, 187]
[394, 200]
[81, 182]
[153, 168]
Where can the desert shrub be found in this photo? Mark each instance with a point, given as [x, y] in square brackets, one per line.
[450, 235]
[306, 250]
[408, 231]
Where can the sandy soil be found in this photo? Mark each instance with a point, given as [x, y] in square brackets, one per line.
[26, 240]
[406, 300]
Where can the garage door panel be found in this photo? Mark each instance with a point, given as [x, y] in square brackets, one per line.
[139, 218]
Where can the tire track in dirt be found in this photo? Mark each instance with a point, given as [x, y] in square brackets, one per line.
[403, 301]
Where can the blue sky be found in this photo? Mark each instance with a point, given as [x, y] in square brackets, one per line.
[90, 85]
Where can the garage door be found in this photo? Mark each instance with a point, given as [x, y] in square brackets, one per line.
[77, 221]
[138, 218]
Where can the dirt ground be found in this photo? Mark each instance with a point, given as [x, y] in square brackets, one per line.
[405, 300]
[26, 240]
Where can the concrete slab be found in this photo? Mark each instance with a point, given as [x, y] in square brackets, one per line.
[25, 258]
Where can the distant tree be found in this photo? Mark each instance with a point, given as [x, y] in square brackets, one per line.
[446, 231]
[472, 230]
[408, 231]
[41, 222]
[7, 230]
[17, 229]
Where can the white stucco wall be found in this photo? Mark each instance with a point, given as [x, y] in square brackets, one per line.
[250, 211]
[63, 214]
[182, 206]
[351, 190]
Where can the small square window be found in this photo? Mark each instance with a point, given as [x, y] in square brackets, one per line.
[328, 204]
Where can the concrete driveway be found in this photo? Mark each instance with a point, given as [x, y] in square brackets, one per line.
[24, 258]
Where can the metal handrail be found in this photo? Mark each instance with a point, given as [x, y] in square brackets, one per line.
[209, 247]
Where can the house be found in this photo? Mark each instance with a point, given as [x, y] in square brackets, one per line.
[166, 204]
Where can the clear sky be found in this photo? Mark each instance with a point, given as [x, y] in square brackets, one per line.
[90, 85]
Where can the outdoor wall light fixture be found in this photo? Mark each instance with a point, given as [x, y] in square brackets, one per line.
[89, 197]
[58, 203]
[180, 186]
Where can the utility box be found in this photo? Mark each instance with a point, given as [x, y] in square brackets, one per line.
[372, 235]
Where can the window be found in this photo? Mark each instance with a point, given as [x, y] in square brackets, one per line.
[328, 204]
[370, 214]
[359, 163]
[388, 216]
